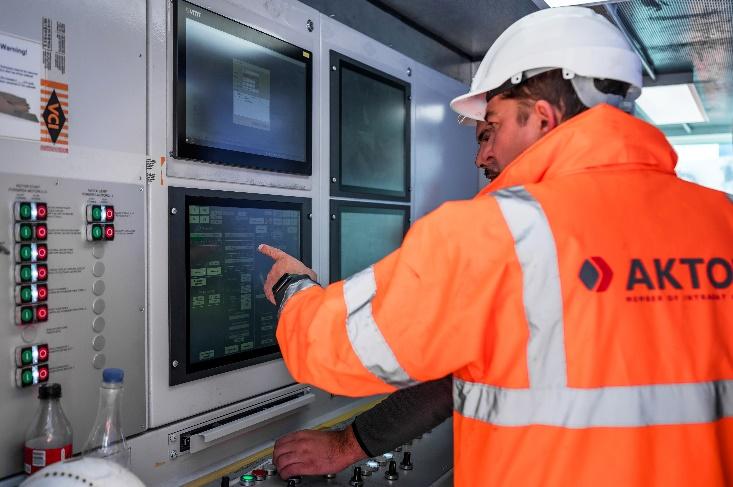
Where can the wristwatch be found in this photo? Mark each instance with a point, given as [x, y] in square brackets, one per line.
[282, 284]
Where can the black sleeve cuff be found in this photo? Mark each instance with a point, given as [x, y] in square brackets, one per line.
[361, 443]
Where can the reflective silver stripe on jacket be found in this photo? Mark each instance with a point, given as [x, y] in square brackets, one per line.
[548, 401]
[630, 406]
[294, 288]
[535, 248]
[364, 334]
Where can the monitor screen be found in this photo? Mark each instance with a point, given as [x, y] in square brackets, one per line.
[242, 97]
[226, 319]
[372, 155]
[364, 234]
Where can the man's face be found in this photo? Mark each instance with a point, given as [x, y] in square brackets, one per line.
[501, 137]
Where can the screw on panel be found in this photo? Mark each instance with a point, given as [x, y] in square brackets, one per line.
[333, 217]
[174, 364]
[333, 68]
[310, 216]
[333, 180]
[172, 438]
[170, 154]
[141, 309]
[140, 188]
[409, 71]
[309, 25]
[174, 211]
[57, 182]
[173, 454]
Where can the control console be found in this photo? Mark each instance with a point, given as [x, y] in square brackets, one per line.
[422, 462]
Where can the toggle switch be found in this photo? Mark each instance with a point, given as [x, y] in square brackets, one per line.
[356, 480]
[391, 473]
[406, 463]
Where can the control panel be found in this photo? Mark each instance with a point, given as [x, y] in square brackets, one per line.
[422, 462]
[72, 275]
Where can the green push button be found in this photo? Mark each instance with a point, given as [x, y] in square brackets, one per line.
[96, 232]
[26, 356]
[26, 315]
[96, 213]
[26, 295]
[26, 377]
[26, 232]
[26, 274]
[247, 477]
[25, 253]
[25, 211]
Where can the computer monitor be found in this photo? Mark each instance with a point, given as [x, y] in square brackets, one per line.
[363, 233]
[220, 319]
[241, 97]
[370, 132]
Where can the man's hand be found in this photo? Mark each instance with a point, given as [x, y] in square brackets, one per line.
[284, 264]
[310, 452]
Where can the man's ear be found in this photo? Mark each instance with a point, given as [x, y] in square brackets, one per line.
[547, 115]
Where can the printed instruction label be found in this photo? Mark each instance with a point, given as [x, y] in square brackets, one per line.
[20, 66]
[54, 99]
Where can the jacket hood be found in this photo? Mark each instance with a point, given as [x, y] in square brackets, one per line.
[602, 137]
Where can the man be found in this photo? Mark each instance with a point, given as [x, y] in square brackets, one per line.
[580, 304]
[401, 417]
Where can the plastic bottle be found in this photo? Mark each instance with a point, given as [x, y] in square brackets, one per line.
[106, 439]
[49, 436]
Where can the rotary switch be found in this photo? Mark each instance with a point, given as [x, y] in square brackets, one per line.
[391, 473]
[406, 463]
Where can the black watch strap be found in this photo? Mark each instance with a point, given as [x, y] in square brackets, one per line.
[282, 284]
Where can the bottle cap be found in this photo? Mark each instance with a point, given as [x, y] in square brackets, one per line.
[114, 376]
[49, 391]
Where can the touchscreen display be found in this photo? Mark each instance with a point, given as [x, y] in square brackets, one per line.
[227, 309]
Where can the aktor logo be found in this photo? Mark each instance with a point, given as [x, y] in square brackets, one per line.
[596, 274]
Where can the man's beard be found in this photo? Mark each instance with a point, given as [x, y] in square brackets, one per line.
[491, 172]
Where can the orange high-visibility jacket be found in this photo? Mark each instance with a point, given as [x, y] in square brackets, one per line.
[583, 303]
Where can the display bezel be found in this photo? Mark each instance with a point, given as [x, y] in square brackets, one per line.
[180, 366]
[338, 62]
[337, 207]
[185, 150]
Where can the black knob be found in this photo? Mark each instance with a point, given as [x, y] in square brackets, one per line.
[406, 463]
[293, 481]
[391, 473]
[356, 479]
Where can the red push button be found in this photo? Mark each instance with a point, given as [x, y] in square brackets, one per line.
[109, 232]
[41, 231]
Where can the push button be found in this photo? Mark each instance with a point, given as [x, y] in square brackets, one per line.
[100, 213]
[32, 355]
[29, 376]
[30, 211]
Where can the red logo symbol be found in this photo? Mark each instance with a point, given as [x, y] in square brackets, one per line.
[596, 274]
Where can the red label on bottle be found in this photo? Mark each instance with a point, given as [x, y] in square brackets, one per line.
[34, 460]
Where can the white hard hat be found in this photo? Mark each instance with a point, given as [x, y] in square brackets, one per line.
[83, 471]
[577, 40]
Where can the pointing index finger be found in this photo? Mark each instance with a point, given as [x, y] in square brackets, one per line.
[272, 252]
